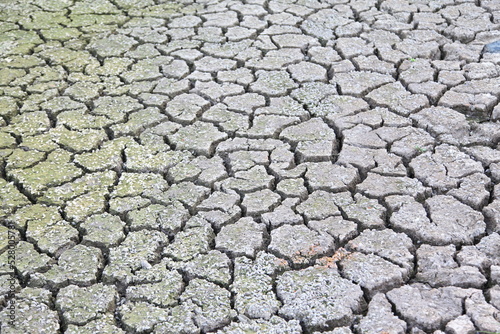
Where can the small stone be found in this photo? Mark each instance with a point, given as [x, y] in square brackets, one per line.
[493, 47]
[461, 325]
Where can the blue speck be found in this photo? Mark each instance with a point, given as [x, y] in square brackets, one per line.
[492, 47]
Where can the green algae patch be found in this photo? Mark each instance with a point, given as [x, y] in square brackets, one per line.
[99, 182]
[10, 198]
[7, 75]
[62, 103]
[109, 156]
[133, 184]
[7, 141]
[42, 142]
[21, 37]
[78, 141]
[80, 305]
[21, 61]
[28, 260]
[112, 66]
[60, 34]
[53, 172]
[164, 10]
[23, 159]
[143, 159]
[45, 228]
[78, 265]
[112, 46]
[103, 230]
[74, 61]
[86, 205]
[43, 214]
[94, 7]
[138, 122]
[29, 124]
[8, 106]
[80, 119]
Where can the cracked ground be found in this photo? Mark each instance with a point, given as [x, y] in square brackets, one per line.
[257, 166]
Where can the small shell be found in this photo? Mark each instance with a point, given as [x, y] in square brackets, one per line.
[145, 264]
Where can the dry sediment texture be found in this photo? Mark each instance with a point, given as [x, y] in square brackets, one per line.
[257, 166]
